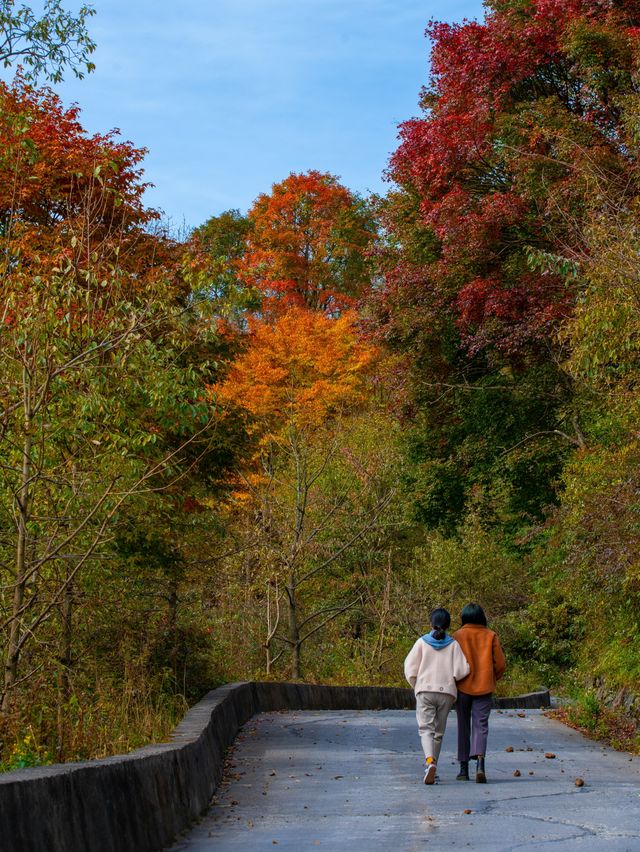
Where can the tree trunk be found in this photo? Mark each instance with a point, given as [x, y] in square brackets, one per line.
[66, 638]
[173, 630]
[273, 621]
[294, 632]
[23, 509]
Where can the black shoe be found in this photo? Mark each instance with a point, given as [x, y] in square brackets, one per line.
[463, 775]
[481, 778]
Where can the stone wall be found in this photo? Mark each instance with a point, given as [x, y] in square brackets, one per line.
[140, 801]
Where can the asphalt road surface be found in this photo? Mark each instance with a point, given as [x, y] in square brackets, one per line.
[352, 780]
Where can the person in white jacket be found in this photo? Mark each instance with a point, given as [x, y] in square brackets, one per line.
[432, 667]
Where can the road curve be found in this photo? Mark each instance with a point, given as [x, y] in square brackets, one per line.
[352, 780]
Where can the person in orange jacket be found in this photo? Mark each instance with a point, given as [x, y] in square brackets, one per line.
[482, 649]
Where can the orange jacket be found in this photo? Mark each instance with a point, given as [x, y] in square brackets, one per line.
[482, 649]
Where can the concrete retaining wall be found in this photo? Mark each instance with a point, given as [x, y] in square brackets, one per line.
[139, 802]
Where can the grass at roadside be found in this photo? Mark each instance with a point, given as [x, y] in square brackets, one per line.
[599, 722]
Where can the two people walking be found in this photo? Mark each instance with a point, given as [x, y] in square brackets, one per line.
[442, 668]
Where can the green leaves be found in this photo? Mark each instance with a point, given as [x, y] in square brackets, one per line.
[49, 44]
[549, 262]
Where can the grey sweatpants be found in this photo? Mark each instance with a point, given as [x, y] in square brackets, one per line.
[432, 710]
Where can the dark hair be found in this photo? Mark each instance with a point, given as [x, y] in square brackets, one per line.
[473, 613]
[440, 621]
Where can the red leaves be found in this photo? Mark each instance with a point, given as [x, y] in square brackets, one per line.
[514, 103]
[73, 205]
[470, 227]
[432, 151]
[48, 159]
[510, 317]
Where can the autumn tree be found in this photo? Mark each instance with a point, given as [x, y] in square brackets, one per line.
[508, 265]
[300, 379]
[489, 174]
[308, 244]
[488, 188]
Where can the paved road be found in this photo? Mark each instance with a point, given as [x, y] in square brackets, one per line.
[353, 781]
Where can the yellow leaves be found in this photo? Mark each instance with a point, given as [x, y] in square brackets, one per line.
[300, 370]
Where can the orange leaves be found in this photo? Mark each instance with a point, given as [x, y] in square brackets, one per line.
[48, 159]
[301, 370]
[307, 245]
[71, 203]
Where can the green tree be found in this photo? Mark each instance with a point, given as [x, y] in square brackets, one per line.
[46, 44]
[105, 350]
[216, 251]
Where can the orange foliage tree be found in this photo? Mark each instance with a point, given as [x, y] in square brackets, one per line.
[308, 244]
[69, 201]
[300, 380]
[297, 372]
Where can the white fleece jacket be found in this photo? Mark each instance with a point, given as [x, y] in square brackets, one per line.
[435, 670]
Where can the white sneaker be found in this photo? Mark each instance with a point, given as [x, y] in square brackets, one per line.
[430, 773]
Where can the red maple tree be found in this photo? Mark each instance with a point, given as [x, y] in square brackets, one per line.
[515, 105]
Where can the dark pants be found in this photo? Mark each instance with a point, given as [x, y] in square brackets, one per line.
[473, 724]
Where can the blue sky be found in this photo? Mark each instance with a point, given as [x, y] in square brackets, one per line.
[230, 96]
